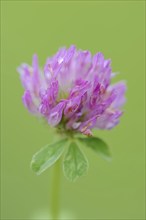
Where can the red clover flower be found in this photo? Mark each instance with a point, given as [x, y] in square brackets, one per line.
[73, 92]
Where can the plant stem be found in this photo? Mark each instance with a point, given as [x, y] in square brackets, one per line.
[56, 190]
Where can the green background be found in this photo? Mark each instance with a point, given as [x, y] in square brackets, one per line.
[110, 190]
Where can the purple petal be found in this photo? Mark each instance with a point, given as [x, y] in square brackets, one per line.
[28, 102]
[30, 76]
[98, 62]
[55, 115]
[109, 119]
[25, 76]
[119, 90]
[72, 106]
[80, 88]
[48, 98]
[87, 125]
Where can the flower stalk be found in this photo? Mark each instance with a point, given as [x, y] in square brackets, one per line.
[55, 192]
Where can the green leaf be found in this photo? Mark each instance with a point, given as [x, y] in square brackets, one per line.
[98, 145]
[47, 156]
[75, 164]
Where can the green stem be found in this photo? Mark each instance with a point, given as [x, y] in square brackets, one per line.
[56, 190]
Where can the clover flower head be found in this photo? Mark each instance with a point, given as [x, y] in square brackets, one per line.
[73, 92]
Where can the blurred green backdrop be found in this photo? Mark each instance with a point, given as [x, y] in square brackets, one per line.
[110, 190]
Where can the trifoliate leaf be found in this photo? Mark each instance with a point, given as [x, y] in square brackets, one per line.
[98, 145]
[75, 164]
[47, 156]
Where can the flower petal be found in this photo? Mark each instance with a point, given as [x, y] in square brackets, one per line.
[55, 115]
[28, 102]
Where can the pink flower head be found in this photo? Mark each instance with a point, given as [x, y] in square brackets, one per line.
[73, 90]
